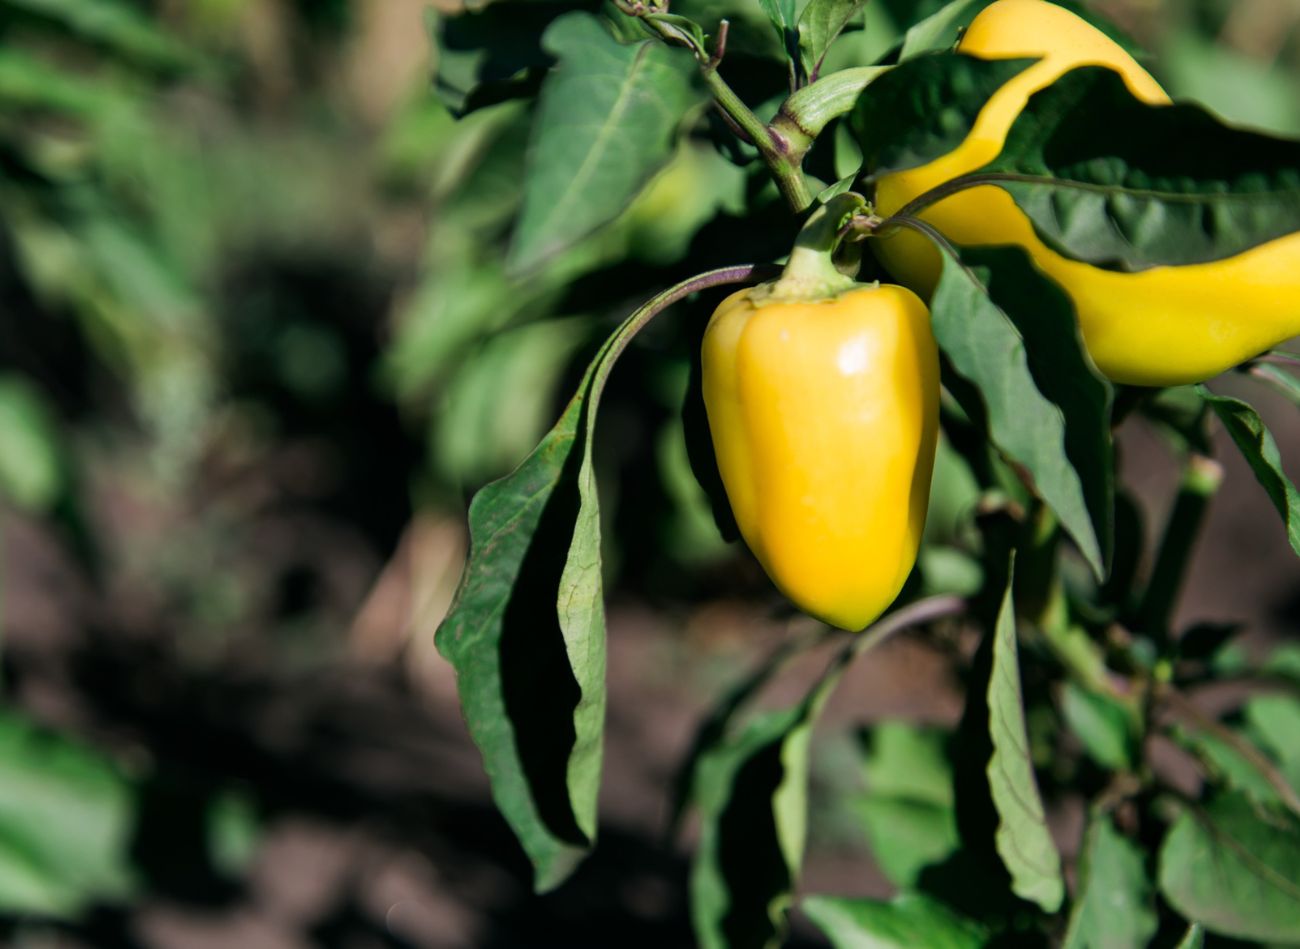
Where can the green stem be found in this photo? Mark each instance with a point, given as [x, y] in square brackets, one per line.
[811, 274]
[1201, 478]
[807, 112]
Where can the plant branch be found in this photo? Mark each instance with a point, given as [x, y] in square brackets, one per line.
[1202, 476]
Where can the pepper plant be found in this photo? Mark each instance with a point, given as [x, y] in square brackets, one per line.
[1093, 256]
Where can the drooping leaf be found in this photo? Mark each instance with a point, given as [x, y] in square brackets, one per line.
[1257, 446]
[1235, 868]
[783, 15]
[1010, 332]
[1114, 906]
[1123, 184]
[925, 107]
[526, 630]
[1023, 840]
[605, 123]
[907, 921]
[819, 24]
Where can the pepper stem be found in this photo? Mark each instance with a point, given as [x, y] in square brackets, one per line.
[811, 273]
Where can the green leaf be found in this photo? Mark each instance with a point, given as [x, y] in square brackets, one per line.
[117, 26]
[1022, 839]
[605, 124]
[819, 24]
[33, 471]
[1102, 725]
[1234, 868]
[1257, 446]
[1227, 765]
[908, 921]
[752, 793]
[1010, 332]
[1275, 719]
[1109, 179]
[1114, 906]
[909, 811]
[908, 835]
[925, 107]
[939, 31]
[66, 820]
[482, 54]
[783, 16]
[526, 629]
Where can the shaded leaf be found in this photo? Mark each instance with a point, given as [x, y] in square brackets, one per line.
[1285, 380]
[1023, 841]
[1114, 907]
[526, 630]
[1275, 719]
[907, 921]
[1259, 449]
[925, 107]
[1101, 724]
[484, 54]
[604, 124]
[1194, 938]
[1010, 332]
[1120, 183]
[1234, 868]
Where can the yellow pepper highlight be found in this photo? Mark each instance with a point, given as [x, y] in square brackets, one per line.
[824, 414]
[1163, 326]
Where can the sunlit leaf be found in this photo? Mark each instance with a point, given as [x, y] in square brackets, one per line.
[604, 124]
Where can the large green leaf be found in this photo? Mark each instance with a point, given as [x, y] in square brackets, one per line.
[1120, 183]
[1257, 446]
[66, 819]
[605, 123]
[939, 31]
[1114, 906]
[1010, 333]
[925, 107]
[1235, 868]
[1275, 719]
[908, 921]
[526, 631]
[1023, 840]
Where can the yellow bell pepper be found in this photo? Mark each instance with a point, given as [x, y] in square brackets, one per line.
[1163, 326]
[823, 408]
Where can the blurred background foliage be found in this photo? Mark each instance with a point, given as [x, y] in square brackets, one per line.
[258, 344]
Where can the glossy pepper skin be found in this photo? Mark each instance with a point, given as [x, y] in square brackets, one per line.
[1164, 326]
[824, 414]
